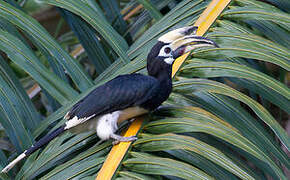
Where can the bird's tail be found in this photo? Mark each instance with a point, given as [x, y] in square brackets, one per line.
[44, 140]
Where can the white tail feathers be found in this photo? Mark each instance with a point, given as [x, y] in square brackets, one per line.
[44, 140]
[14, 162]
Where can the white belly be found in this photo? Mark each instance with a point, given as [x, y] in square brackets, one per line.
[107, 124]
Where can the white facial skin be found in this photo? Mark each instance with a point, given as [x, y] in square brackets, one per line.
[182, 37]
[166, 52]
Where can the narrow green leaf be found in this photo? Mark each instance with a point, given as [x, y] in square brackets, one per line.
[30, 116]
[89, 40]
[202, 163]
[226, 69]
[81, 169]
[97, 151]
[191, 119]
[229, 26]
[250, 128]
[114, 16]
[257, 13]
[244, 49]
[164, 166]
[25, 59]
[263, 4]
[154, 12]
[5, 25]
[219, 88]
[172, 142]
[12, 118]
[89, 14]
[54, 64]
[253, 41]
[183, 14]
[272, 31]
[55, 152]
[133, 176]
[3, 163]
[32, 27]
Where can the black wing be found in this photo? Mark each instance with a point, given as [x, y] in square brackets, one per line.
[120, 93]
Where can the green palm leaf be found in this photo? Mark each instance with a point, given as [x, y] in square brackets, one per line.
[89, 13]
[163, 166]
[219, 88]
[32, 27]
[24, 58]
[209, 128]
[208, 69]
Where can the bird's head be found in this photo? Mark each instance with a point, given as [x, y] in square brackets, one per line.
[172, 45]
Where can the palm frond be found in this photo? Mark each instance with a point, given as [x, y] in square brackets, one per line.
[224, 119]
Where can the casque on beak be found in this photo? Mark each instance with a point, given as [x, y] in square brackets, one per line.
[183, 40]
[173, 35]
[188, 43]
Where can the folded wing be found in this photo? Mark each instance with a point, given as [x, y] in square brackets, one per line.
[120, 93]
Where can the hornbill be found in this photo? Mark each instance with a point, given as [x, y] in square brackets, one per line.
[127, 96]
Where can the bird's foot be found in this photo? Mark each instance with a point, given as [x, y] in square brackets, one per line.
[118, 139]
[131, 120]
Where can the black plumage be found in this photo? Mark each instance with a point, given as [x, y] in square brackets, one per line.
[120, 93]
[129, 90]
[127, 96]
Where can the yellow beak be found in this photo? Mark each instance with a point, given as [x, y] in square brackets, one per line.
[189, 43]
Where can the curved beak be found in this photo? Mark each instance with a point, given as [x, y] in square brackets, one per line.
[175, 34]
[184, 40]
[188, 43]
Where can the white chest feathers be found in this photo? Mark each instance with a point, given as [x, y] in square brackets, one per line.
[107, 125]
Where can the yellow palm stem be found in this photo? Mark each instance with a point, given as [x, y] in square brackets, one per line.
[116, 155]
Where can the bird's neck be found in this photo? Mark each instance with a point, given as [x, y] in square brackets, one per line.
[164, 77]
[162, 72]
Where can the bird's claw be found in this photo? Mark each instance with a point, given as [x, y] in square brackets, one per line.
[118, 139]
[131, 120]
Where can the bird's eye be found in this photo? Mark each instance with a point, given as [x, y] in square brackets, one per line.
[167, 50]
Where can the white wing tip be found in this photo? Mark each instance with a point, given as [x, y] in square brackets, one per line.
[66, 116]
[76, 121]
